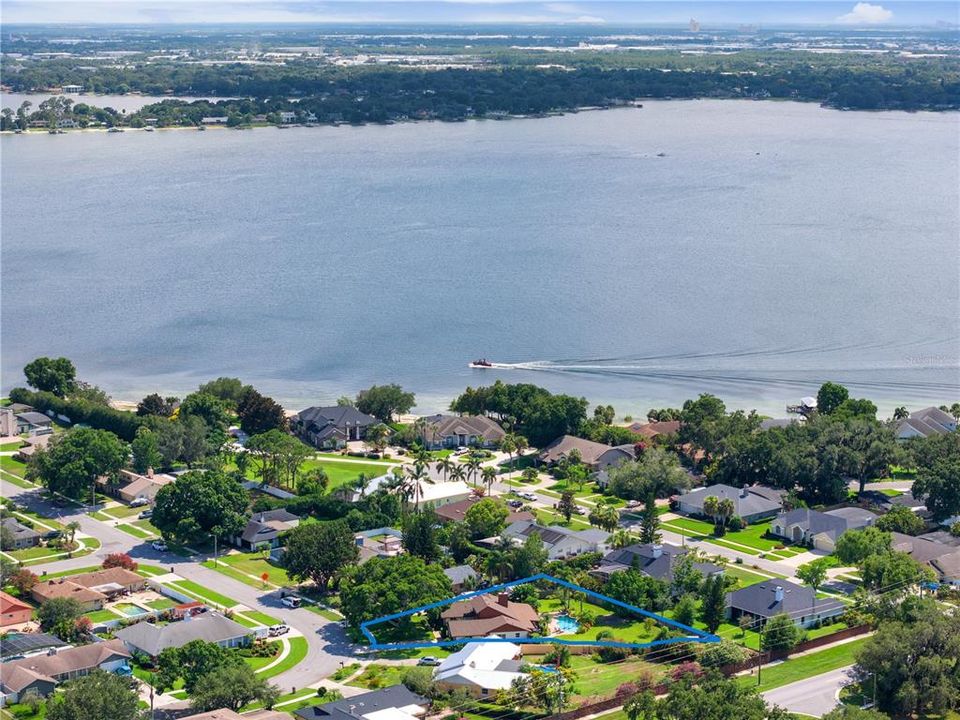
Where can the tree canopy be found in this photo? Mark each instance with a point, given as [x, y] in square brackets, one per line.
[382, 586]
[385, 401]
[200, 504]
[319, 551]
[54, 375]
[102, 695]
[73, 461]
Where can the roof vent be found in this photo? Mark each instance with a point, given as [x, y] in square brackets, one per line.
[657, 550]
[744, 491]
[778, 594]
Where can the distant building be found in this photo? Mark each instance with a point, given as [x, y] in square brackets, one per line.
[450, 431]
[381, 542]
[926, 423]
[287, 116]
[763, 600]
[656, 561]
[559, 542]
[942, 558]
[694, 25]
[218, 120]
[651, 430]
[72, 89]
[228, 714]
[489, 616]
[820, 529]
[480, 669]
[266, 528]
[331, 427]
[751, 503]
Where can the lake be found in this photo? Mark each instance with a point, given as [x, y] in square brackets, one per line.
[635, 256]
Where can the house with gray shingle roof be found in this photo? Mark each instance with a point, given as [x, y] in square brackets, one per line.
[820, 529]
[656, 561]
[331, 427]
[212, 627]
[20, 535]
[751, 503]
[763, 600]
[40, 674]
[926, 423]
[266, 528]
[559, 542]
[450, 431]
[462, 577]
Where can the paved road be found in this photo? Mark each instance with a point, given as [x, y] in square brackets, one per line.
[327, 641]
[814, 696]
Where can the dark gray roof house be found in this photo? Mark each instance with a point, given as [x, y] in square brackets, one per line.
[461, 577]
[657, 561]
[391, 703]
[23, 536]
[327, 427]
[36, 419]
[926, 423]
[266, 527]
[17, 645]
[447, 431]
[752, 503]
[765, 599]
[820, 529]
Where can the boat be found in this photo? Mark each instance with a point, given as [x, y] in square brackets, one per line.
[481, 363]
[115, 129]
[148, 129]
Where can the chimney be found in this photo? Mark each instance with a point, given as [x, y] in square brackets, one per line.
[744, 491]
[503, 599]
[778, 594]
[657, 550]
[149, 472]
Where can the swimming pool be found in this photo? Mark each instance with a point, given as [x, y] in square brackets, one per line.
[129, 609]
[566, 624]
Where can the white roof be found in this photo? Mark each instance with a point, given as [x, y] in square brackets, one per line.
[443, 491]
[409, 712]
[476, 664]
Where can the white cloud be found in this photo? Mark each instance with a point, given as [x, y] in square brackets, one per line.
[865, 13]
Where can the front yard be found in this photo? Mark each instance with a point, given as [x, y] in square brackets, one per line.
[751, 540]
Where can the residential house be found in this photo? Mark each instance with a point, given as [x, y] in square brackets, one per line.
[91, 589]
[19, 534]
[132, 485]
[16, 646]
[763, 600]
[617, 455]
[886, 502]
[34, 423]
[488, 616]
[450, 431]
[381, 542]
[751, 503]
[942, 558]
[31, 445]
[8, 423]
[925, 423]
[228, 714]
[331, 427]
[265, 528]
[480, 669]
[457, 511]
[214, 120]
[817, 529]
[287, 116]
[656, 561]
[462, 577]
[40, 674]
[13, 611]
[562, 447]
[392, 703]
[651, 430]
[559, 542]
[210, 627]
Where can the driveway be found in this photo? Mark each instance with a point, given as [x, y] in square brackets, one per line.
[815, 696]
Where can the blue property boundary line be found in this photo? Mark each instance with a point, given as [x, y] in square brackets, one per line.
[691, 634]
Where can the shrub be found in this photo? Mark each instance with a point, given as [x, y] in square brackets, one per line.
[689, 669]
[736, 523]
[721, 654]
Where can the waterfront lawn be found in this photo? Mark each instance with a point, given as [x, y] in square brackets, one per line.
[804, 666]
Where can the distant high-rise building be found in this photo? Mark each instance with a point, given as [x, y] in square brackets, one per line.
[694, 25]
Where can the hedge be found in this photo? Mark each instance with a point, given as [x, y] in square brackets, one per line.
[123, 424]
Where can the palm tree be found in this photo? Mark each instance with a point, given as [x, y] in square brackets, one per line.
[900, 413]
[360, 483]
[710, 504]
[72, 528]
[458, 472]
[725, 509]
[509, 446]
[473, 466]
[420, 428]
[489, 476]
[444, 465]
[422, 456]
[605, 516]
[621, 538]
[415, 477]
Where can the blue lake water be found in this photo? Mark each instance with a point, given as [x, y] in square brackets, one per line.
[772, 246]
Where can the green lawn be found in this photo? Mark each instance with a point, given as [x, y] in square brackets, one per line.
[376, 676]
[65, 573]
[135, 531]
[600, 679]
[102, 616]
[230, 572]
[745, 577]
[122, 511]
[161, 604]
[11, 445]
[12, 465]
[150, 570]
[255, 564]
[260, 617]
[891, 493]
[751, 536]
[298, 651]
[338, 472]
[805, 666]
[20, 711]
[191, 588]
[548, 517]
[324, 612]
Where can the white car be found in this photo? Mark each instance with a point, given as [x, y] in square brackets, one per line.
[291, 601]
[139, 502]
[278, 630]
[159, 545]
[527, 495]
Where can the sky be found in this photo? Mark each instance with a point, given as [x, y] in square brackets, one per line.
[873, 13]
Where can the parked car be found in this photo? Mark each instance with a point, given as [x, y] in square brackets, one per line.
[291, 601]
[145, 514]
[428, 660]
[527, 495]
[139, 502]
[631, 504]
[52, 534]
[515, 503]
[460, 450]
[577, 510]
[159, 545]
[275, 630]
